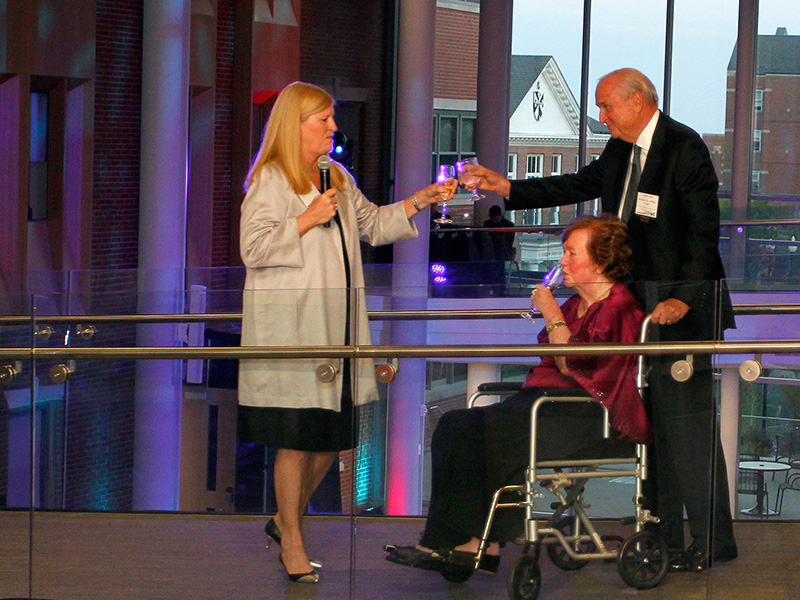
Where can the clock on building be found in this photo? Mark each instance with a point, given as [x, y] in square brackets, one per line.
[538, 104]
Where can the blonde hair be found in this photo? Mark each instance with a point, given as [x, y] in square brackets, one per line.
[280, 146]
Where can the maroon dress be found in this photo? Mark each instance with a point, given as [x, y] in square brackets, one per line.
[609, 379]
[476, 451]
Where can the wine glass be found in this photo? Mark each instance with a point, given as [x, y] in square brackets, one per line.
[466, 180]
[443, 173]
[552, 279]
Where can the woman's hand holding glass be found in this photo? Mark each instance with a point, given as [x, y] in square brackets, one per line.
[434, 193]
[445, 176]
[553, 279]
[543, 301]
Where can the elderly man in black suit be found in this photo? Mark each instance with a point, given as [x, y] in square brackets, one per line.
[657, 176]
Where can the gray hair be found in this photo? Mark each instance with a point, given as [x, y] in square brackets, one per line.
[630, 81]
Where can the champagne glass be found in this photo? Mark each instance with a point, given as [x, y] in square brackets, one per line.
[466, 180]
[552, 279]
[444, 173]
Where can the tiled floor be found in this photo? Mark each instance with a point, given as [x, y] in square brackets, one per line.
[197, 557]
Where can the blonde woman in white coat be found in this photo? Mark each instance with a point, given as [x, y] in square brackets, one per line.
[304, 286]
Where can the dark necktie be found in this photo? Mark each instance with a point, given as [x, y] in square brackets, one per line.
[633, 184]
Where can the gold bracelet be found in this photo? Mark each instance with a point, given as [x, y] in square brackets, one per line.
[415, 202]
[554, 325]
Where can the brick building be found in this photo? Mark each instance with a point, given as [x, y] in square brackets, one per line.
[543, 116]
[776, 162]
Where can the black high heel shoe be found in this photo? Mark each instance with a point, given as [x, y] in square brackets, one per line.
[274, 535]
[311, 577]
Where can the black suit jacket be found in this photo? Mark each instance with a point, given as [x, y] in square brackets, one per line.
[679, 248]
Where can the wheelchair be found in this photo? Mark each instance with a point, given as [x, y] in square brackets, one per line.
[569, 537]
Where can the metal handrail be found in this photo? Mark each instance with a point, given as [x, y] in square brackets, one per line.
[426, 351]
[374, 315]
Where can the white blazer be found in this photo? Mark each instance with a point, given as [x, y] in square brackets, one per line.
[295, 290]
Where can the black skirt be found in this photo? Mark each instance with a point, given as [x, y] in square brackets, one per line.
[307, 429]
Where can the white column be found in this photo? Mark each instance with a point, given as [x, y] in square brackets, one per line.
[729, 424]
[162, 249]
[482, 372]
[414, 139]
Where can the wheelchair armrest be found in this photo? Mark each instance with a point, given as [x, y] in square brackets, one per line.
[579, 393]
[500, 387]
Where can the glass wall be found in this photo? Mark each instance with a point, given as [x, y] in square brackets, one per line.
[18, 447]
[75, 452]
[101, 456]
[544, 128]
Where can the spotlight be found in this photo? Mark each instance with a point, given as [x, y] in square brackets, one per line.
[439, 272]
[342, 151]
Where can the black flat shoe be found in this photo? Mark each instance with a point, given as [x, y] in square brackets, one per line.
[678, 563]
[311, 577]
[691, 560]
[489, 563]
[409, 556]
[274, 535]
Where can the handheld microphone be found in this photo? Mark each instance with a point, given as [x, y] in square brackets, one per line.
[324, 165]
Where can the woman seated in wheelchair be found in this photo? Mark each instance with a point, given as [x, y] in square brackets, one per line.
[476, 451]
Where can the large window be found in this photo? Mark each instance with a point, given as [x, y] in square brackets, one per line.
[555, 166]
[37, 174]
[453, 135]
[512, 166]
[534, 165]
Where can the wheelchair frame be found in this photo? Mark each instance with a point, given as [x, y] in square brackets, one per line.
[572, 541]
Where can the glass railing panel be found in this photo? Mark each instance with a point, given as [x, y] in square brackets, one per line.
[758, 255]
[766, 422]
[448, 383]
[762, 256]
[17, 452]
[95, 416]
[320, 446]
[162, 435]
[487, 262]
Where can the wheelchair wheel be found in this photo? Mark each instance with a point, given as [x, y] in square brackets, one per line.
[559, 556]
[524, 579]
[643, 560]
[456, 573]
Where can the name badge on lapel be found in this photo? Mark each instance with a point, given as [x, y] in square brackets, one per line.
[646, 205]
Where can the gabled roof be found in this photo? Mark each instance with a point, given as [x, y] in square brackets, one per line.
[525, 70]
[778, 54]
